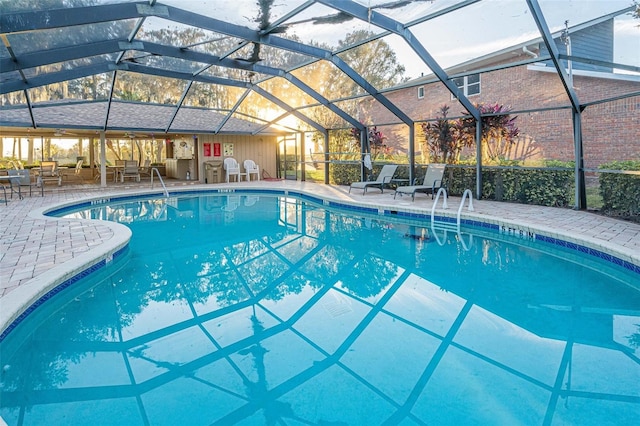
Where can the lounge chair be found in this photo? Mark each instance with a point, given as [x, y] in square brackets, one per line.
[250, 167]
[384, 178]
[77, 171]
[432, 182]
[232, 168]
[48, 171]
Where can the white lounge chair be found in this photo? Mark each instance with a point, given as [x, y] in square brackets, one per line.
[232, 168]
[251, 168]
[431, 183]
[384, 178]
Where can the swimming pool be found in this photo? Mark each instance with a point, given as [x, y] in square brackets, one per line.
[258, 309]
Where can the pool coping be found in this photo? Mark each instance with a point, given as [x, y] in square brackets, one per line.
[19, 303]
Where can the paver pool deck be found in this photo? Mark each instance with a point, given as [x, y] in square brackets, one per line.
[39, 252]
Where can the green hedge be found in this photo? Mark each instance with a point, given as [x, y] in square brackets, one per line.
[345, 173]
[528, 186]
[620, 193]
[545, 187]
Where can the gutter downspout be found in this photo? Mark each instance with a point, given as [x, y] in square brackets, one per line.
[526, 50]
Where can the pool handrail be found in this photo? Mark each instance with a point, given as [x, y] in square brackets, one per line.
[155, 169]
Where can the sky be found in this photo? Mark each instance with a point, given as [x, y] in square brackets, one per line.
[457, 37]
[493, 25]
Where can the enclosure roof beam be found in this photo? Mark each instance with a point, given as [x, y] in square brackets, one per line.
[79, 51]
[89, 70]
[164, 50]
[212, 24]
[18, 22]
[369, 15]
[110, 100]
[54, 77]
[180, 102]
[288, 108]
[590, 61]
[547, 38]
[233, 110]
[29, 21]
[62, 54]
[324, 101]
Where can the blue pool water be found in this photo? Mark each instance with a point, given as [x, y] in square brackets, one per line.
[258, 309]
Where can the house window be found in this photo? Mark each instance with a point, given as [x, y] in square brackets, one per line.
[420, 92]
[469, 84]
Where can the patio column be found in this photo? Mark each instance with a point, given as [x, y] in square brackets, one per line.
[580, 186]
[412, 152]
[325, 136]
[103, 160]
[478, 159]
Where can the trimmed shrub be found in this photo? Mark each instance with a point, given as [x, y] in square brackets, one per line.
[345, 173]
[620, 193]
[528, 186]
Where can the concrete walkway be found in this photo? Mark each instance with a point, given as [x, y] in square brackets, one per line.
[40, 252]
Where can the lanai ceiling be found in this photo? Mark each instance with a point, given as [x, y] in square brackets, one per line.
[257, 66]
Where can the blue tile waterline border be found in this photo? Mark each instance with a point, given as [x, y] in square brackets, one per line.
[352, 208]
[99, 265]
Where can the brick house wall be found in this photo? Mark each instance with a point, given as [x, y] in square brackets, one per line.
[610, 130]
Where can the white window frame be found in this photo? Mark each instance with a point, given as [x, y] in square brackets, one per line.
[421, 92]
[465, 85]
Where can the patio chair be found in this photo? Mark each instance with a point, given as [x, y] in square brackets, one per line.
[118, 169]
[48, 172]
[109, 172]
[232, 168]
[384, 178]
[251, 168]
[25, 178]
[431, 183]
[145, 170]
[77, 171]
[130, 171]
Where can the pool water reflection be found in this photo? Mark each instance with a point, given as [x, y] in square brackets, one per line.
[257, 309]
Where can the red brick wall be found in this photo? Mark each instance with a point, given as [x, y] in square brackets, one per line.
[610, 130]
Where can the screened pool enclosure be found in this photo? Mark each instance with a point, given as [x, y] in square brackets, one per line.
[317, 88]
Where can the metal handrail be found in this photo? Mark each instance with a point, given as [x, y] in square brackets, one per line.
[155, 169]
[444, 225]
[441, 191]
[466, 194]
